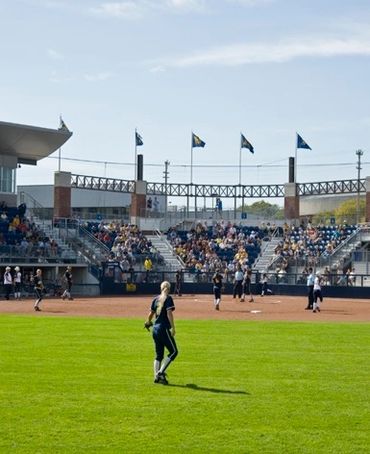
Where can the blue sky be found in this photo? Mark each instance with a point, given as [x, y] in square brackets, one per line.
[267, 68]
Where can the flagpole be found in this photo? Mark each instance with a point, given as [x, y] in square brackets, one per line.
[191, 159]
[135, 170]
[60, 148]
[295, 158]
[240, 161]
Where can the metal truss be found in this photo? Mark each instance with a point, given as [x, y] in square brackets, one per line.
[332, 187]
[102, 184]
[224, 191]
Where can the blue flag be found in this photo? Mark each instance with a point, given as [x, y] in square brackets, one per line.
[302, 144]
[139, 140]
[197, 141]
[246, 144]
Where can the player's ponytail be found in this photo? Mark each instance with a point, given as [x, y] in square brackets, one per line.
[165, 290]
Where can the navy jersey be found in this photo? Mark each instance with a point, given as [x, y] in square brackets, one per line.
[68, 277]
[217, 281]
[37, 282]
[161, 320]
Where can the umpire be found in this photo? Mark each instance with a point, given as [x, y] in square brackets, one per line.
[310, 284]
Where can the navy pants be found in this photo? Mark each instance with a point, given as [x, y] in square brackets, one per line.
[238, 288]
[163, 339]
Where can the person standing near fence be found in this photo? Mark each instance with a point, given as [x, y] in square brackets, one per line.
[39, 289]
[247, 286]
[178, 284]
[310, 284]
[238, 280]
[317, 295]
[68, 283]
[8, 282]
[163, 332]
[17, 283]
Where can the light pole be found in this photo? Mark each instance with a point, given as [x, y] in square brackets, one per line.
[359, 153]
[165, 176]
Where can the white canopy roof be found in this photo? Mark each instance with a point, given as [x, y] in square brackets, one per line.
[30, 143]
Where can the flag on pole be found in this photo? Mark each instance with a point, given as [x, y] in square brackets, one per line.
[302, 144]
[197, 142]
[246, 144]
[62, 125]
[139, 140]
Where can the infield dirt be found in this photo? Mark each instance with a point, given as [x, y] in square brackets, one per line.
[271, 307]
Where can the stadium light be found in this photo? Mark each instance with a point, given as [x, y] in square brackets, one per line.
[359, 153]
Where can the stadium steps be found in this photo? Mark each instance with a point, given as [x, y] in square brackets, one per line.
[267, 255]
[46, 227]
[159, 242]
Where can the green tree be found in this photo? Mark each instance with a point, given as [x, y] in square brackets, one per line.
[264, 209]
[347, 211]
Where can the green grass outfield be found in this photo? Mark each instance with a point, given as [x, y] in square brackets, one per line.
[85, 385]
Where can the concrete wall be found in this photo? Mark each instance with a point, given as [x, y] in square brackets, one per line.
[311, 205]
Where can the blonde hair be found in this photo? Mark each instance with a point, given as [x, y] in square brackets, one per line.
[165, 290]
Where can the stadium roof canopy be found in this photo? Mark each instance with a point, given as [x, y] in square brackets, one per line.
[29, 144]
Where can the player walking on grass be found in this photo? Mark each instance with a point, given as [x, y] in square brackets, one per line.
[39, 289]
[163, 332]
[217, 288]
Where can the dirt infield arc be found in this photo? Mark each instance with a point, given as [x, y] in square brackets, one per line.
[289, 308]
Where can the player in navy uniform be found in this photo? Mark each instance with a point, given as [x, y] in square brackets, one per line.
[39, 289]
[68, 283]
[163, 332]
[217, 287]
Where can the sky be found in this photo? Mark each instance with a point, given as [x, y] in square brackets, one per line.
[264, 68]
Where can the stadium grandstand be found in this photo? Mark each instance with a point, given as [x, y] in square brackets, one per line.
[133, 241]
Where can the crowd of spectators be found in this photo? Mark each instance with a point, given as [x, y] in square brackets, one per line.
[20, 237]
[309, 243]
[221, 247]
[127, 243]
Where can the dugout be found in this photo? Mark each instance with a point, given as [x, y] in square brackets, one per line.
[115, 281]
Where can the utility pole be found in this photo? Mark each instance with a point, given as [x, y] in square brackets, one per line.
[359, 153]
[165, 176]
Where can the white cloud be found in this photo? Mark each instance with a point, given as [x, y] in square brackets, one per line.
[251, 53]
[251, 3]
[126, 10]
[54, 55]
[185, 5]
[129, 9]
[98, 76]
[157, 69]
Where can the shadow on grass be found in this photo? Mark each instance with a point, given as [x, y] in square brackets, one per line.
[210, 390]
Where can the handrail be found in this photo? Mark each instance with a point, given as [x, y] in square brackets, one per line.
[93, 238]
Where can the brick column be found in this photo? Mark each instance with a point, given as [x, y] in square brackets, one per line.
[367, 207]
[62, 194]
[138, 202]
[291, 201]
